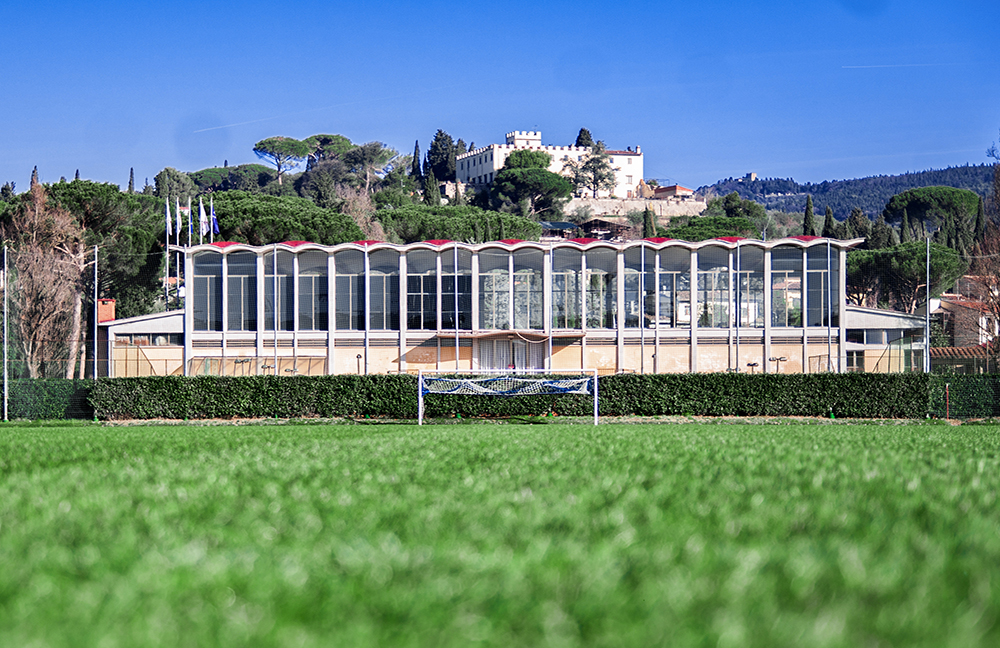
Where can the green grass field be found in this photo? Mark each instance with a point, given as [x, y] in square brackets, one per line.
[501, 535]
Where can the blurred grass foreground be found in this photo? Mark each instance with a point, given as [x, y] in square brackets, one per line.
[543, 535]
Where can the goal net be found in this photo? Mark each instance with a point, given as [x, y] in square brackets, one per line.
[540, 382]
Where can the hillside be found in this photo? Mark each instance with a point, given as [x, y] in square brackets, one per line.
[870, 194]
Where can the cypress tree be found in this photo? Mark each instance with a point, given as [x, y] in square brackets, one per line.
[905, 235]
[415, 166]
[131, 180]
[648, 223]
[829, 224]
[808, 222]
[432, 193]
[34, 176]
[77, 175]
[584, 138]
[459, 198]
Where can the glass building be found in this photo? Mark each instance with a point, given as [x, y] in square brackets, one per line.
[649, 306]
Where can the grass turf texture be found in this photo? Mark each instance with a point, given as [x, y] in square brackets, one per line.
[620, 535]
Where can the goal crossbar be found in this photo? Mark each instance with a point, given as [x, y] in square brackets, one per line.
[509, 383]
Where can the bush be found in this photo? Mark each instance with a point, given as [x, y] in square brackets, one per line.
[50, 398]
[854, 395]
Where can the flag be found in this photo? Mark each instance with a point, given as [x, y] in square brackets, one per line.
[215, 221]
[190, 222]
[177, 213]
[202, 218]
[181, 211]
[170, 223]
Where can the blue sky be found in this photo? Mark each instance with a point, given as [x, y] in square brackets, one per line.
[813, 90]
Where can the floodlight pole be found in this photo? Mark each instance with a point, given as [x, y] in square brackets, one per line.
[6, 288]
[927, 309]
[420, 397]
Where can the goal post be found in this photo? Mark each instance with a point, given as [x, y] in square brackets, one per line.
[506, 383]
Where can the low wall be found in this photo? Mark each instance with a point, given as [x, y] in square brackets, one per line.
[622, 206]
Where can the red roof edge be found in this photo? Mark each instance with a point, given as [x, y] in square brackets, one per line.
[803, 237]
[438, 241]
[657, 239]
[583, 241]
[367, 243]
[225, 244]
[511, 241]
[730, 239]
[296, 243]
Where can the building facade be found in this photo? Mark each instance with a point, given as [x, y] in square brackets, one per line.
[650, 306]
[480, 166]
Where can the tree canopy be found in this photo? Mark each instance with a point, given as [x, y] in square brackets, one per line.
[466, 223]
[594, 173]
[260, 219]
[283, 153]
[704, 228]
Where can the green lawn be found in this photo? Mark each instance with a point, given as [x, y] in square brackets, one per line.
[504, 535]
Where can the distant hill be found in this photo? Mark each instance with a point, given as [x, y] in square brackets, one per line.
[870, 194]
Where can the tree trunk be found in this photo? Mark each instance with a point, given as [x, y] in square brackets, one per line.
[74, 334]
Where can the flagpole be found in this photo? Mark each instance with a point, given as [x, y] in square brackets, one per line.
[166, 254]
[190, 223]
[202, 221]
[215, 225]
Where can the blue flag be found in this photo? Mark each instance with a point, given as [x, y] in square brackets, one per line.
[215, 221]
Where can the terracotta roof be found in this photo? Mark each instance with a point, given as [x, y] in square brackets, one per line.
[960, 353]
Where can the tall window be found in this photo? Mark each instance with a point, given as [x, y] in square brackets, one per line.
[748, 262]
[422, 290]
[528, 293]
[673, 286]
[494, 289]
[822, 299]
[241, 296]
[207, 291]
[786, 286]
[459, 279]
[350, 290]
[567, 270]
[284, 279]
[314, 302]
[713, 287]
[640, 287]
[601, 281]
[383, 281]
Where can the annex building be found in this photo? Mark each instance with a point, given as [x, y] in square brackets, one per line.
[479, 166]
[651, 306]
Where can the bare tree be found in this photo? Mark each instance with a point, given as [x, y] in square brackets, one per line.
[357, 203]
[985, 280]
[46, 284]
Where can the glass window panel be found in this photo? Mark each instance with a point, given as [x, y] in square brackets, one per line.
[207, 286]
[286, 297]
[313, 292]
[349, 290]
[242, 291]
[674, 288]
[601, 286]
[528, 293]
[567, 299]
[463, 280]
[713, 287]
[750, 286]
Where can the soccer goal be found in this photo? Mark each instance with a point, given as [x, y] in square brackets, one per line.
[500, 382]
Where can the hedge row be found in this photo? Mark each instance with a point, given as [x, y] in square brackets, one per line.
[49, 399]
[718, 394]
[854, 395]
